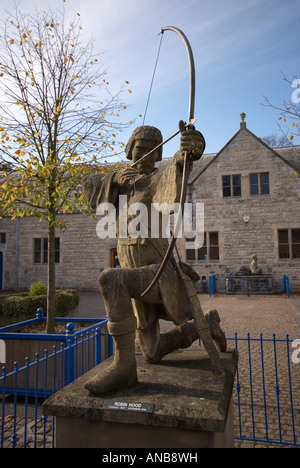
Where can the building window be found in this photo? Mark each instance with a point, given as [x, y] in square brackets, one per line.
[41, 250]
[114, 261]
[295, 243]
[2, 237]
[209, 250]
[289, 243]
[213, 246]
[37, 250]
[232, 186]
[202, 253]
[259, 184]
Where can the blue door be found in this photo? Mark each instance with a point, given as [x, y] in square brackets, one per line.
[1, 268]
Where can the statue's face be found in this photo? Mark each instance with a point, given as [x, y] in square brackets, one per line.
[142, 147]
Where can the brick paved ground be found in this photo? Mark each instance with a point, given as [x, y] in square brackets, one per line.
[253, 315]
[35, 436]
[266, 315]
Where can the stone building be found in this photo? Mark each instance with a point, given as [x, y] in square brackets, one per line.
[251, 196]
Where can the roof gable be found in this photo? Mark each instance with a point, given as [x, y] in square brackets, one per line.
[290, 156]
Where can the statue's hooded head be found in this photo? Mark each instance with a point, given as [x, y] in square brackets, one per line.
[148, 133]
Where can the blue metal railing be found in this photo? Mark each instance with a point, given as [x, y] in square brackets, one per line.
[77, 353]
[266, 391]
[267, 382]
[249, 285]
[90, 338]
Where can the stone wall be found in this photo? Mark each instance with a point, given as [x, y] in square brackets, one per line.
[82, 254]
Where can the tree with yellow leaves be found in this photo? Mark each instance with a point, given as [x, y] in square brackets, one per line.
[57, 120]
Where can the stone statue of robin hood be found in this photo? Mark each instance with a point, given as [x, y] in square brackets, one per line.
[129, 314]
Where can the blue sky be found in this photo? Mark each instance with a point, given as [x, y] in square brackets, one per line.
[240, 49]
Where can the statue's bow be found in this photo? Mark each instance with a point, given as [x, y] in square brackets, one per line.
[186, 157]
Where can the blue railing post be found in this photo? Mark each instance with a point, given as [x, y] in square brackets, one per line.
[3, 406]
[290, 386]
[40, 314]
[69, 352]
[248, 286]
[212, 285]
[37, 362]
[238, 386]
[264, 384]
[277, 388]
[98, 345]
[287, 285]
[14, 437]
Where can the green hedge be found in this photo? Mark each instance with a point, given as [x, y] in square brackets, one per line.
[23, 304]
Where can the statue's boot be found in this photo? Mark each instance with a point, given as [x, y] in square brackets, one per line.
[179, 337]
[217, 334]
[122, 373]
[183, 336]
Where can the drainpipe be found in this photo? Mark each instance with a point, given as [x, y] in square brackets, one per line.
[17, 255]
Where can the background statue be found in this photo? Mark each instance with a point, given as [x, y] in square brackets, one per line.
[253, 269]
[254, 266]
[130, 315]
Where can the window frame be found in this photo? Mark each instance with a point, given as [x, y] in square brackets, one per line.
[212, 246]
[294, 244]
[288, 245]
[40, 250]
[260, 184]
[232, 185]
[198, 255]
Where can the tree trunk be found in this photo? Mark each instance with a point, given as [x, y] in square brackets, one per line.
[51, 279]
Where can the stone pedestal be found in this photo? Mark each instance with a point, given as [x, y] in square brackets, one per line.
[189, 407]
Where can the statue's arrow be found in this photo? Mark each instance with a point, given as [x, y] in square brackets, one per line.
[189, 124]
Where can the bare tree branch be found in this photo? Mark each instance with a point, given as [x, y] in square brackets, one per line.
[289, 113]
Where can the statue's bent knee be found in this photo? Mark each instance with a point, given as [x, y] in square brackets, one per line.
[107, 277]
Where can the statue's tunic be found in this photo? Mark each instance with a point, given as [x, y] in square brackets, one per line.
[156, 187]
